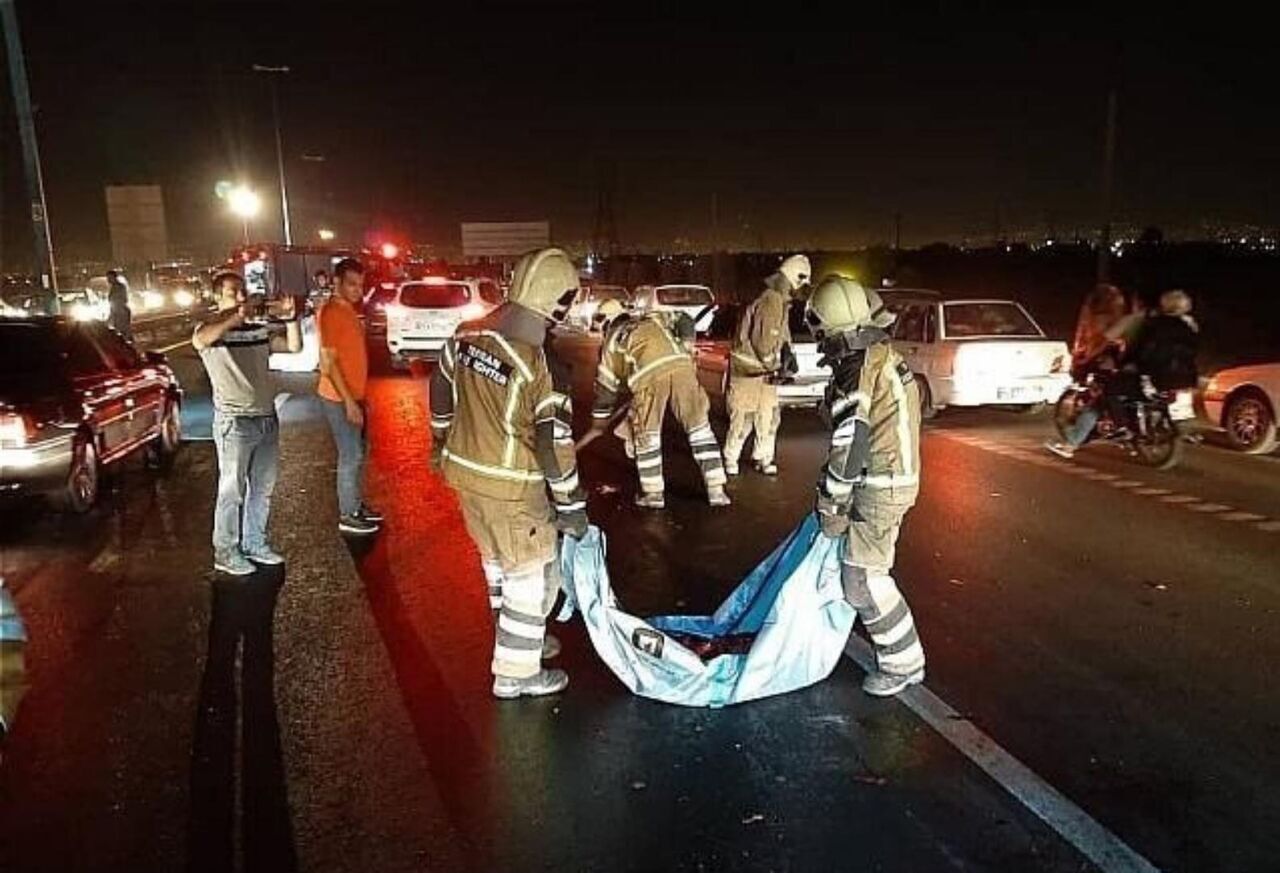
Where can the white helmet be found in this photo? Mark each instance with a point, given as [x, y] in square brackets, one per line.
[546, 282]
[839, 305]
[796, 270]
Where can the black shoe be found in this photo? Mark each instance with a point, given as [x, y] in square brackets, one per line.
[356, 524]
[368, 513]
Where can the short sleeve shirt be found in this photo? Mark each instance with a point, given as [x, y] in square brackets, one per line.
[339, 328]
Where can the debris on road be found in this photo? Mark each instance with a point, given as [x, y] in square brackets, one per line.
[753, 818]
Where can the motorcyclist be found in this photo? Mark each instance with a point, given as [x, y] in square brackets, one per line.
[872, 474]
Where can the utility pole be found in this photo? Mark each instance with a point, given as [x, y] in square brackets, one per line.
[715, 242]
[30, 156]
[1108, 179]
[275, 73]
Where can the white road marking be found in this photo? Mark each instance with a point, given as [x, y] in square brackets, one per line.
[1073, 824]
[1269, 526]
[1179, 498]
[1242, 516]
[1209, 507]
[1125, 483]
[1152, 492]
[164, 350]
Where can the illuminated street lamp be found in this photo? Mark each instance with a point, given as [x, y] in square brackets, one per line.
[244, 202]
[325, 234]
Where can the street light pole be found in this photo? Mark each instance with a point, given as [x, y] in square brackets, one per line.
[31, 155]
[1108, 183]
[275, 111]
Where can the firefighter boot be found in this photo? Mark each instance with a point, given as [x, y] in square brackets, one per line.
[539, 684]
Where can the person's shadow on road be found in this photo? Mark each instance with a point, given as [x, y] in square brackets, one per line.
[243, 612]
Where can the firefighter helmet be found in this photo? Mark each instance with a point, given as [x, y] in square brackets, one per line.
[546, 282]
[796, 270]
[839, 305]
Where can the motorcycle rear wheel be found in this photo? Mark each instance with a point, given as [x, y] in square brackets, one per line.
[1161, 445]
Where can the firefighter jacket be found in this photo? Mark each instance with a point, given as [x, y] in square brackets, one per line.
[762, 332]
[635, 352]
[501, 421]
[873, 406]
[13, 638]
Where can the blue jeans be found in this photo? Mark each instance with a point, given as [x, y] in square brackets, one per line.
[248, 449]
[350, 441]
[1086, 421]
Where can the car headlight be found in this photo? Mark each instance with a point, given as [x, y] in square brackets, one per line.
[183, 298]
[152, 300]
[83, 312]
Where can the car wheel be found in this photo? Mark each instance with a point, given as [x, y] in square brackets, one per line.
[1250, 423]
[927, 409]
[81, 490]
[162, 451]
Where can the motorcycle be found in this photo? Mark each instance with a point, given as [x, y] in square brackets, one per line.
[1145, 426]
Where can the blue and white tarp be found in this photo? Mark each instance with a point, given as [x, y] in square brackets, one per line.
[783, 628]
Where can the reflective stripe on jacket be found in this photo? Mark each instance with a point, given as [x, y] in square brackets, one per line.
[635, 352]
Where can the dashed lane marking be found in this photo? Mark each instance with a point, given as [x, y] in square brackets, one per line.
[1026, 452]
[1242, 516]
[1107, 851]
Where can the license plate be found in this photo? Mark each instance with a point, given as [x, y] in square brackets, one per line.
[1015, 394]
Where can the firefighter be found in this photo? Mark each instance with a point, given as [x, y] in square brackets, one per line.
[760, 356]
[648, 356]
[502, 434]
[872, 474]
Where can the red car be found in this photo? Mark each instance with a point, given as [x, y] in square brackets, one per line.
[74, 398]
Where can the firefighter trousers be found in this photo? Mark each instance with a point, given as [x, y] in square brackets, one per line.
[678, 389]
[753, 405]
[517, 542]
[867, 565]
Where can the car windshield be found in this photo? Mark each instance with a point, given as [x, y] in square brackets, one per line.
[28, 356]
[685, 295]
[419, 295]
[1001, 318]
[606, 292]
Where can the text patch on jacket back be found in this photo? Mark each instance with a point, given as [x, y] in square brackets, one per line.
[485, 364]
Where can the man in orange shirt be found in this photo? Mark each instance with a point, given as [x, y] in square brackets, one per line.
[344, 373]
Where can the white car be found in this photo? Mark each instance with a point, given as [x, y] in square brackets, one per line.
[1243, 402]
[976, 352]
[427, 311]
[696, 301]
[711, 354]
[588, 301]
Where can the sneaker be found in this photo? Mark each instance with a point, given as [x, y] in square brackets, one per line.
[233, 563]
[368, 513]
[263, 554]
[550, 647]
[768, 468]
[544, 682]
[881, 684]
[717, 497]
[731, 468]
[654, 500]
[357, 524]
[1062, 450]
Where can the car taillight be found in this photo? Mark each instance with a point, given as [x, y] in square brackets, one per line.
[14, 430]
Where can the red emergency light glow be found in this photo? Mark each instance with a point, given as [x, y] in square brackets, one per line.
[390, 250]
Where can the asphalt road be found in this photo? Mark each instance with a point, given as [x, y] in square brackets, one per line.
[1109, 626]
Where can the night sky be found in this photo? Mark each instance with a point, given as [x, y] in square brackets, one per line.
[812, 129]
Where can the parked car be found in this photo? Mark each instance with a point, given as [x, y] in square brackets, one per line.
[75, 397]
[976, 352]
[588, 301]
[426, 312]
[696, 301]
[376, 301]
[711, 354]
[1243, 402]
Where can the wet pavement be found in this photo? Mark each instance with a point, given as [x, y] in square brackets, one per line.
[335, 715]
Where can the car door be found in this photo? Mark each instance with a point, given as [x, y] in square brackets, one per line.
[144, 388]
[101, 391]
[711, 351]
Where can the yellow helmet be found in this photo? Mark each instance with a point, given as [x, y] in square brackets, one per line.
[837, 305]
[609, 309]
[546, 282]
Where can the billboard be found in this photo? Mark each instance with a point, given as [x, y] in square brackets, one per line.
[503, 239]
[135, 215]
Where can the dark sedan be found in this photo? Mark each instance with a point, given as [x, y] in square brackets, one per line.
[74, 398]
